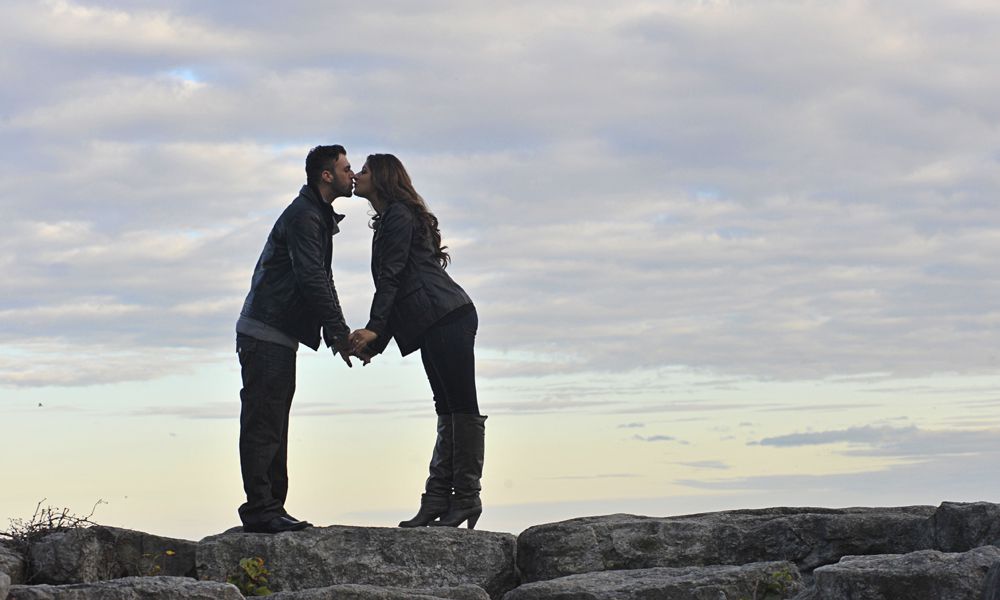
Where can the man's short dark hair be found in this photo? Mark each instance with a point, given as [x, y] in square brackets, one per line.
[321, 158]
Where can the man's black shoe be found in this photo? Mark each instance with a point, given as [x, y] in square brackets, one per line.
[308, 524]
[277, 525]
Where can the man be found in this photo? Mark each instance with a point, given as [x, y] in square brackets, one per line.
[292, 298]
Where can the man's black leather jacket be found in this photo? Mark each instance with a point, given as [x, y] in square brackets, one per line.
[412, 289]
[292, 287]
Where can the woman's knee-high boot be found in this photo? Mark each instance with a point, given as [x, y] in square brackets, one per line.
[436, 499]
[469, 440]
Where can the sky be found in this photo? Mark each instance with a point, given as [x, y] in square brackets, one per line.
[726, 254]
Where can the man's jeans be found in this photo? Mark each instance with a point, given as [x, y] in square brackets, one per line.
[450, 363]
[268, 386]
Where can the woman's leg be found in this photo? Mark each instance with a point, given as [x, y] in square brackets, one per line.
[450, 349]
[449, 353]
[436, 499]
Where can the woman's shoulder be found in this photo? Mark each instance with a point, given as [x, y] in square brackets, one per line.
[398, 212]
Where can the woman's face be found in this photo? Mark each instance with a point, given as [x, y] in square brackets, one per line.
[363, 182]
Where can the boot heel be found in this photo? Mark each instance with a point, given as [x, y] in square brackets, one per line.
[471, 524]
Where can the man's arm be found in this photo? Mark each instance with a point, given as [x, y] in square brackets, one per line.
[304, 235]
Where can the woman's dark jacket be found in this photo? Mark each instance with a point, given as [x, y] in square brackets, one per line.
[412, 289]
[292, 287]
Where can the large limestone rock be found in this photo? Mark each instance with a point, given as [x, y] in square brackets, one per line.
[809, 537]
[371, 592]
[773, 581]
[923, 575]
[13, 564]
[4, 585]
[130, 588]
[426, 557]
[98, 553]
[959, 527]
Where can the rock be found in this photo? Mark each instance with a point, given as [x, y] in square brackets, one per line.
[959, 527]
[13, 564]
[98, 553]
[371, 592]
[809, 537]
[130, 588]
[923, 575]
[317, 557]
[4, 585]
[991, 587]
[773, 580]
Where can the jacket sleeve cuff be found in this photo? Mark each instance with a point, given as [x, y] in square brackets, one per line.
[333, 340]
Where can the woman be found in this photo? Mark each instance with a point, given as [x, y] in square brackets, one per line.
[417, 303]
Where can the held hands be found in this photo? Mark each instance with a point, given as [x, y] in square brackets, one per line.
[365, 357]
[346, 351]
[360, 339]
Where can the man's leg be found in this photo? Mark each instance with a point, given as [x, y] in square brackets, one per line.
[278, 472]
[268, 385]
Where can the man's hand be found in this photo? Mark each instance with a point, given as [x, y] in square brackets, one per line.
[365, 357]
[360, 339]
[344, 354]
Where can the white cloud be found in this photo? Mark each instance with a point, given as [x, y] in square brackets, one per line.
[780, 190]
[38, 362]
[82, 26]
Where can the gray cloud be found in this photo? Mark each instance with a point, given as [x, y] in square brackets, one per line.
[656, 438]
[597, 476]
[777, 191]
[961, 478]
[231, 410]
[855, 435]
[897, 441]
[706, 464]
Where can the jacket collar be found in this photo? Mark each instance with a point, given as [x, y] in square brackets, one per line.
[313, 196]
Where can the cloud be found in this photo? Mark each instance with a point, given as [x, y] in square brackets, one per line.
[655, 438]
[959, 478]
[918, 466]
[853, 435]
[596, 476]
[897, 442]
[527, 406]
[231, 411]
[39, 362]
[774, 191]
[706, 464]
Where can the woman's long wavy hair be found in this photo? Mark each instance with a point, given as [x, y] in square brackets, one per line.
[392, 184]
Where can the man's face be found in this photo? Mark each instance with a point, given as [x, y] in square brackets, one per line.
[341, 177]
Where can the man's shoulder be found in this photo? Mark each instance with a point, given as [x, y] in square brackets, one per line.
[302, 207]
[303, 200]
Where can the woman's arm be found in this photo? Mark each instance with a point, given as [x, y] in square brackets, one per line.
[394, 238]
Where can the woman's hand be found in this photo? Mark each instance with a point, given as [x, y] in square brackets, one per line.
[360, 339]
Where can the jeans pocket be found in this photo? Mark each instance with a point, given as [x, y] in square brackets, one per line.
[245, 345]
